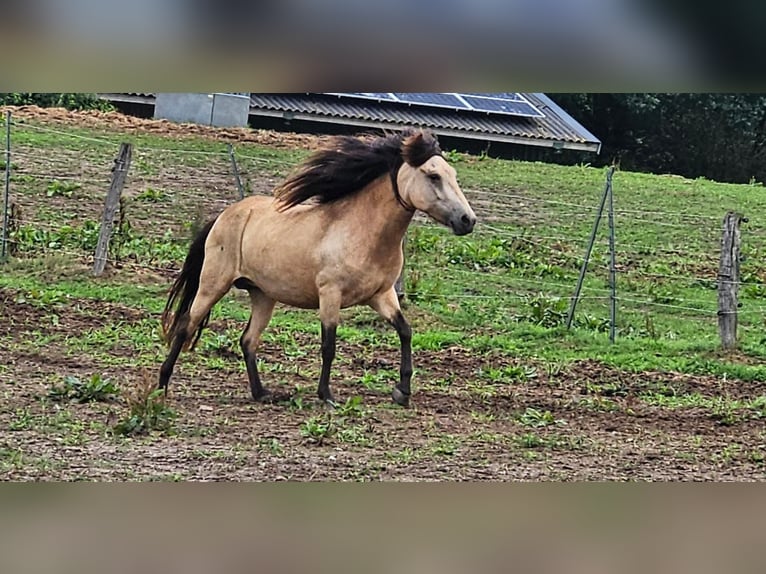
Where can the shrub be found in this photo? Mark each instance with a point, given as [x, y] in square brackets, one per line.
[78, 101]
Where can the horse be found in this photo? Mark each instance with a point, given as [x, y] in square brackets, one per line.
[329, 237]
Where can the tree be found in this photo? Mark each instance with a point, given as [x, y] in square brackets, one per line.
[718, 136]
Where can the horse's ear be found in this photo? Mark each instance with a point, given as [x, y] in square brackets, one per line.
[418, 146]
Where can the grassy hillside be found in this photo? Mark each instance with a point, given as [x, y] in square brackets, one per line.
[507, 286]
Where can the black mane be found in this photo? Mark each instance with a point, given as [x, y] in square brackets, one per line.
[348, 164]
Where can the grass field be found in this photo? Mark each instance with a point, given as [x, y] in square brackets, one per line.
[503, 390]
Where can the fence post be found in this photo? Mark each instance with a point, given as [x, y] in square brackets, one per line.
[399, 285]
[589, 249]
[7, 195]
[612, 264]
[728, 280]
[236, 172]
[119, 172]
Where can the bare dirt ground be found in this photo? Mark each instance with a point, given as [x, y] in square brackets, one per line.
[585, 421]
[450, 432]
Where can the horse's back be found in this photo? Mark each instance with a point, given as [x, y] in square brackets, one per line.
[275, 250]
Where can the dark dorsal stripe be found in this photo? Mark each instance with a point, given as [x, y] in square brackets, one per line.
[348, 164]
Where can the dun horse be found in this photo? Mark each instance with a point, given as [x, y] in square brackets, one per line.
[329, 238]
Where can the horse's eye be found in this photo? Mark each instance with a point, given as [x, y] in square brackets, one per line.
[434, 177]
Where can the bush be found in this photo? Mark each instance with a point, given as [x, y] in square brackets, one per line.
[56, 100]
[545, 311]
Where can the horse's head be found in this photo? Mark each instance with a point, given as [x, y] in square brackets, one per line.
[428, 183]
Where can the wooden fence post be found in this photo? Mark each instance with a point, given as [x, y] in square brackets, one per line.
[728, 280]
[119, 172]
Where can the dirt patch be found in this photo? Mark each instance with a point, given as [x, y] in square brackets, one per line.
[130, 124]
[586, 422]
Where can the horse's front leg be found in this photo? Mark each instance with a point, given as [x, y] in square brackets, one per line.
[329, 315]
[387, 306]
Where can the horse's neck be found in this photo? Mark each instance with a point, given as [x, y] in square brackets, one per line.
[381, 213]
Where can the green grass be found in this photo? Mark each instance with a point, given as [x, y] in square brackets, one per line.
[95, 388]
[146, 410]
[692, 350]
[504, 288]
[722, 408]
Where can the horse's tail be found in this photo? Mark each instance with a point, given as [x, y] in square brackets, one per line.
[184, 290]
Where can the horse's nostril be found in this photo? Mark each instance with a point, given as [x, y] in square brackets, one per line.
[465, 219]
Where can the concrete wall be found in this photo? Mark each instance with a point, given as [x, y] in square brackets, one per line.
[221, 110]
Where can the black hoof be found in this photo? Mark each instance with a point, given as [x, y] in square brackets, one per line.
[326, 398]
[400, 398]
[264, 396]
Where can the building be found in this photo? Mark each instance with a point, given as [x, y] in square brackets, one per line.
[502, 122]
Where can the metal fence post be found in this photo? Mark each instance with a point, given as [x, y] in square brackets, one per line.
[236, 172]
[612, 265]
[589, 249]
[7, 195]
[399, 286]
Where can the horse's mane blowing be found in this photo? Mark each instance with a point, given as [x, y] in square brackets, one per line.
[348, 164]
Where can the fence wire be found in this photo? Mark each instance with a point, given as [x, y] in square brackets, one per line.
[210, 174]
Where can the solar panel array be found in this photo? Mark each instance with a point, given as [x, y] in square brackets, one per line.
[513, 104]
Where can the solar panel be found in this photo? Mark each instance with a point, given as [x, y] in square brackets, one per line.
[440, 100]
[513, 96]
[514, 107]
[507, 103]
[384, 96]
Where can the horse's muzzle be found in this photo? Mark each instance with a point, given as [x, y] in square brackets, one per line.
[463, 225]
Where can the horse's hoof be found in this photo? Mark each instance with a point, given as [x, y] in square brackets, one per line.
[331, 404]
[400, 398]
[264, 396]
[327, 399]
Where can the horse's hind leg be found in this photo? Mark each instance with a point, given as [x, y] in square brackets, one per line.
[387, 305]
[166, 370]
[212, 288]
[262, 308]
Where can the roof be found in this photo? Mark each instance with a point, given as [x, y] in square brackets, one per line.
[557, 129]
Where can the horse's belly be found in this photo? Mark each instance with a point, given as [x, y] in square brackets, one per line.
[291, 264]
[282, 271]
[288, 289]
[307, 297]
[302, 300]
